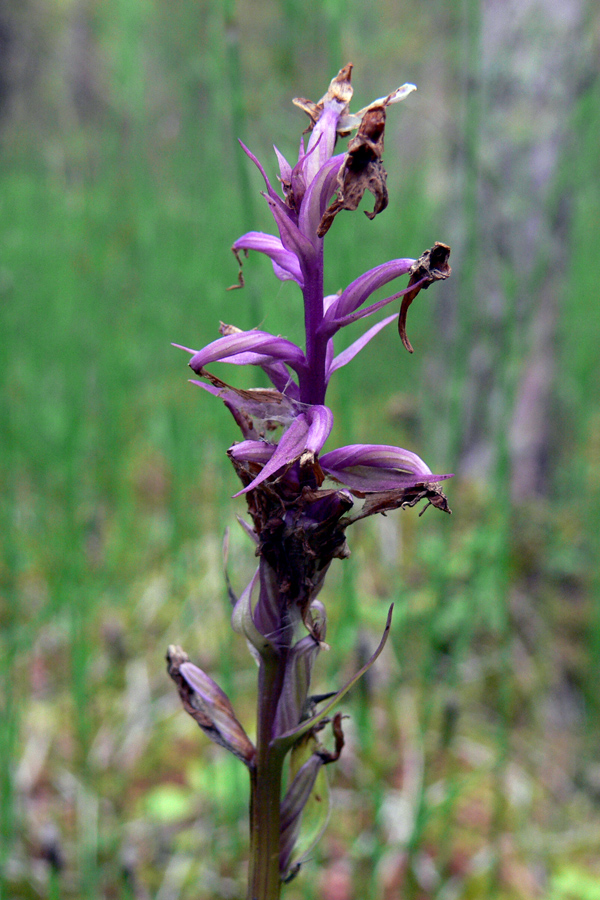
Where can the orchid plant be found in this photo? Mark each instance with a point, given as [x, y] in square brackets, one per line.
[301, 500]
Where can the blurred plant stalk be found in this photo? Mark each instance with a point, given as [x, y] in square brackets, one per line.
[301, 500]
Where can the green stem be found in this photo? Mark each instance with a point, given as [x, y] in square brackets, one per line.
[264, 881]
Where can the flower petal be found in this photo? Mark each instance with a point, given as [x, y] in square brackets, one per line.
[357, 292]
[292, 238]
[272, 193]
[318, 195]
[383, 456]
[285, 262]
[256, 410]
[352, 121]
[224, 349]
[373, 468]
[252, 451]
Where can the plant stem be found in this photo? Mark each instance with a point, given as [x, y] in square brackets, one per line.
[264, 881]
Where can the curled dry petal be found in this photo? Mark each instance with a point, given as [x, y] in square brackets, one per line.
[208, 705]
[256, 411]
[362, 171]
[339, 93]
[350, 122]
[431, 266]
[403, 498]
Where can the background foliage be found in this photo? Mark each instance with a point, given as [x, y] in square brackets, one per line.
[471, 768]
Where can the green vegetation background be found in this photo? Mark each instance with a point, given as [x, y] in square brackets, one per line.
[471, 768]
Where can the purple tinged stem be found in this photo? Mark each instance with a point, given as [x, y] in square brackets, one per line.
[313, 384]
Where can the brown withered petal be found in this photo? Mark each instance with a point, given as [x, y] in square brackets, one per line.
[362, 170]
[384, 501]
[340, 89]
[431, 266]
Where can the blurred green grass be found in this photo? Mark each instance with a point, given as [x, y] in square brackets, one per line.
[116, 226]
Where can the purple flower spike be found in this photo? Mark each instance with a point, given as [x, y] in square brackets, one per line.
[301, 500]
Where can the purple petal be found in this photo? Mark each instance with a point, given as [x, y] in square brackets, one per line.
[323, 136]
[285, 262]
[343, 358]
[375, 307]
[272, 193]
[317, 197]
[252, 451]
[378, 455]
[357, 292]
[299, 181]
[292, 238]
[289, 449]
[285, 170]
[321, 423]
[267, 345]
[377, 467]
